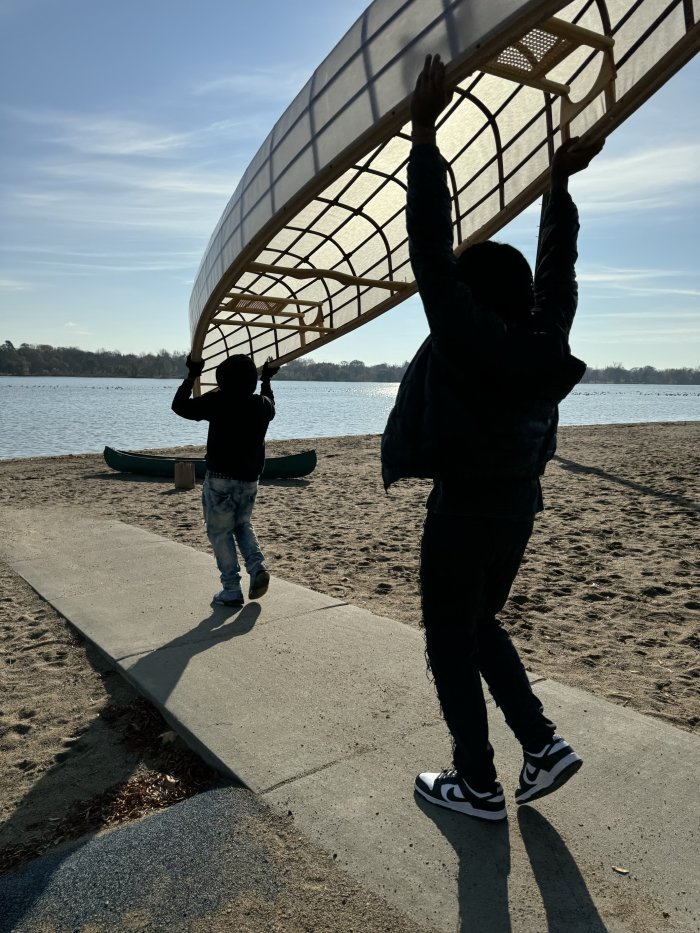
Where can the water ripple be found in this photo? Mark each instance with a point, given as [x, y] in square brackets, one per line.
[46, 416]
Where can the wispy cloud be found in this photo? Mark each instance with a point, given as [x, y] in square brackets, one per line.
[278, 85]
[637, 281]
[76, 329]
[639, 314]
[121, 137]
[123, 174]
[112, 173]
[12, 285]
[74, 266]
[649, 180]
[623, 276]
[686, 292]
[120, 193]
[661, 334]
[39, 252]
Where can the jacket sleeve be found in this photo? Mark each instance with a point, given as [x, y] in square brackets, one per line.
[451, 312]
[556, 291]
[266, 392]
[194, 409]
[429, 216]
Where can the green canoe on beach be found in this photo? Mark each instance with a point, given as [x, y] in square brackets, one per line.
[288, 467]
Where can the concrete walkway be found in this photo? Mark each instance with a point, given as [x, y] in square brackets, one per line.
[325, 710]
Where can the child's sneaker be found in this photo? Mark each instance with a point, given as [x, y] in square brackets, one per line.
[447, 789]
[228, 598]
[259, 584]
[545, 771]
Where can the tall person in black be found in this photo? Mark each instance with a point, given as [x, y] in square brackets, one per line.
[477, 411]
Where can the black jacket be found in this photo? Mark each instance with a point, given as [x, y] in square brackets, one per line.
[237, 427]
[477, 385]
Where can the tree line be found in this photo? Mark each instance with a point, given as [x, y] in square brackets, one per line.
[44, 360]
[642, 375]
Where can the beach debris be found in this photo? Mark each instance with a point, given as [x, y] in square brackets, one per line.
[172, 772]
[621, 871]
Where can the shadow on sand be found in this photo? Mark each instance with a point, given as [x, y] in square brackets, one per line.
[167, 663]
[574, 467]
[292, 482]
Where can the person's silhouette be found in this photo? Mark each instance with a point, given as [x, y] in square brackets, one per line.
[477, 412]
[238, 421]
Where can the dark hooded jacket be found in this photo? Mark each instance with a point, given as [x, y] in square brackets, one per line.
[238, 421]
[479, 400]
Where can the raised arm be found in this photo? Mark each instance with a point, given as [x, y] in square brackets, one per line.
[448, 304]
[266, 386]
[556, 291]
[194, 409]
[429, 207]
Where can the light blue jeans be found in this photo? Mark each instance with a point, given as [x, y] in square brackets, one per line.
[228, 506]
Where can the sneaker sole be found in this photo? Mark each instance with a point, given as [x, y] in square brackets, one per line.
[566, 772]
[229, 603]
[462, 808]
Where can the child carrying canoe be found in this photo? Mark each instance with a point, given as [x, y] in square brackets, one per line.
[238, 421]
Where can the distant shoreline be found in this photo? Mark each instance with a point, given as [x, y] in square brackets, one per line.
[280, 378]
[45, 361]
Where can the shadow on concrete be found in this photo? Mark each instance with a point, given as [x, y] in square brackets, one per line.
[483, 850]
[567, 902]
[574, 467]
[162, 668]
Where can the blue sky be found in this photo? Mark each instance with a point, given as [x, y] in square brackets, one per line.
[125, 127]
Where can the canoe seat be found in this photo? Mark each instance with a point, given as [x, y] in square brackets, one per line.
[530, 61]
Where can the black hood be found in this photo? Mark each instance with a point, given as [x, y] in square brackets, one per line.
[237, 375]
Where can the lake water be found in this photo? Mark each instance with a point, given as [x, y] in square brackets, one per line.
[42, 416]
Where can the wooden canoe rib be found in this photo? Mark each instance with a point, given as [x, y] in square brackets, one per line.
[291, 466]
[312, 243]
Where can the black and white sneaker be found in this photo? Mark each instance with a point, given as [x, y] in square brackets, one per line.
[546, 771]
[447, 789]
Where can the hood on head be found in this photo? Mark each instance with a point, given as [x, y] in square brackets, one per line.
[237, 375]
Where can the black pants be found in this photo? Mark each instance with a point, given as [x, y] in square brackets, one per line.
[467, 569]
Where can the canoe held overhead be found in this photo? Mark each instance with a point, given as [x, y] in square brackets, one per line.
[291, 466]
[312, 243]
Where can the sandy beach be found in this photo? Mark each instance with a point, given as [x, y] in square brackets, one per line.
[605, 600]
